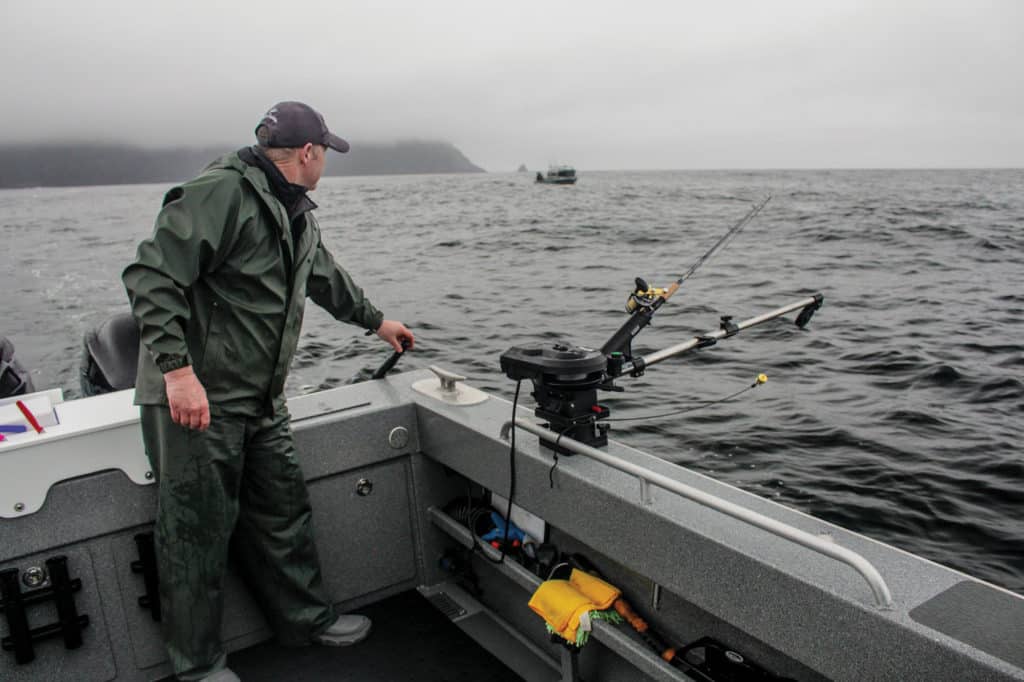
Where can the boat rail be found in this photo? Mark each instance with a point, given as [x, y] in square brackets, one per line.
[826, 547]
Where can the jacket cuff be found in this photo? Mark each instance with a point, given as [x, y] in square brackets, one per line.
[168, 363]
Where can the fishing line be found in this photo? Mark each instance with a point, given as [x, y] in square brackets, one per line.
[761, 379]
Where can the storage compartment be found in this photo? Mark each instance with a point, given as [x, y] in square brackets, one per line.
[363, 529]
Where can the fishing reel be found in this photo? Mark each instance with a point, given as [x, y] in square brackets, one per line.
[643, 295]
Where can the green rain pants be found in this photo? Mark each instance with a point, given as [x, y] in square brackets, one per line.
[236, 483]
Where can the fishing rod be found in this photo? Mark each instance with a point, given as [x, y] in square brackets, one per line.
[646, 300]
[566, 378]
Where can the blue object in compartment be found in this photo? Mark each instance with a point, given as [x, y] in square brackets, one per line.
[13, 428]
[498, 532]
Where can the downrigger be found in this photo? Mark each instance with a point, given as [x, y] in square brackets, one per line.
[566, 377]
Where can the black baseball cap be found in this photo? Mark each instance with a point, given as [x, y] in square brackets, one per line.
[293, 124]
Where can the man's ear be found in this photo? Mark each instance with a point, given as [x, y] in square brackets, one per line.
[308, 153]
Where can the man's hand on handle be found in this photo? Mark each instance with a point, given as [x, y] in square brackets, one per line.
[187, 398]
[394, 333]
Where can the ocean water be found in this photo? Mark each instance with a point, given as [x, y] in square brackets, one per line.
[897, 413]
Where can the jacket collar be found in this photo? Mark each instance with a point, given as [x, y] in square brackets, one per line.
[257, 179]
[294, 197]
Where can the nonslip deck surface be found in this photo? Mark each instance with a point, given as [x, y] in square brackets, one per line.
[979, 615]
[411, 641]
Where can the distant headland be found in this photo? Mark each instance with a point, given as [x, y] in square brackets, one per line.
[81, 164]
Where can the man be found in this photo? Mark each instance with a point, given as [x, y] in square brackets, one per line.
[218, 293]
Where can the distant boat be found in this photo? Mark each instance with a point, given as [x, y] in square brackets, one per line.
[558, 175]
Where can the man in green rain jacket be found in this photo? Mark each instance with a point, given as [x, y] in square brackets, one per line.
[218, 292]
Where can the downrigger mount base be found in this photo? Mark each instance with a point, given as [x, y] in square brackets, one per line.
[565, 383]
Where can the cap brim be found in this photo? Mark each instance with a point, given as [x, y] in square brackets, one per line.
[336, 143]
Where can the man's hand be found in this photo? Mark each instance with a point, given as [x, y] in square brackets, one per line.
[187, 398]
[394, 333]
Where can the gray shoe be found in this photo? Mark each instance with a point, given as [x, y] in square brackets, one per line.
[345, 630]
[222, 675]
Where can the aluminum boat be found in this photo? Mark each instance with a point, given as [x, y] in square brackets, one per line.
[747, 588]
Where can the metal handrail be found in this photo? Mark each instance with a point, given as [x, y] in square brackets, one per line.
[883, 596]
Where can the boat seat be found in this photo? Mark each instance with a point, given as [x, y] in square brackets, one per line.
[111, 356]
[14, 379]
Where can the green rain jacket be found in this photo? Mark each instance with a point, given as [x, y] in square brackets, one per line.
[221, 286]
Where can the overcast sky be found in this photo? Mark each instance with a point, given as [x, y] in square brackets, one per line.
[603, 85]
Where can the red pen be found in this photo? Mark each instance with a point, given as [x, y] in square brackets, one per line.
[29, 416]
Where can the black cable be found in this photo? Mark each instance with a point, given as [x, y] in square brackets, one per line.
[511, 471]
[554, 453]
[551, 471]
[511, 479]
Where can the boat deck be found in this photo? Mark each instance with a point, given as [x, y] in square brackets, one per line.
[411, 641]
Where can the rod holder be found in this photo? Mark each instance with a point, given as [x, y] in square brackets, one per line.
[61, 591]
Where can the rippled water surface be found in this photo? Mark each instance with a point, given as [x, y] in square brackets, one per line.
[897, 413]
